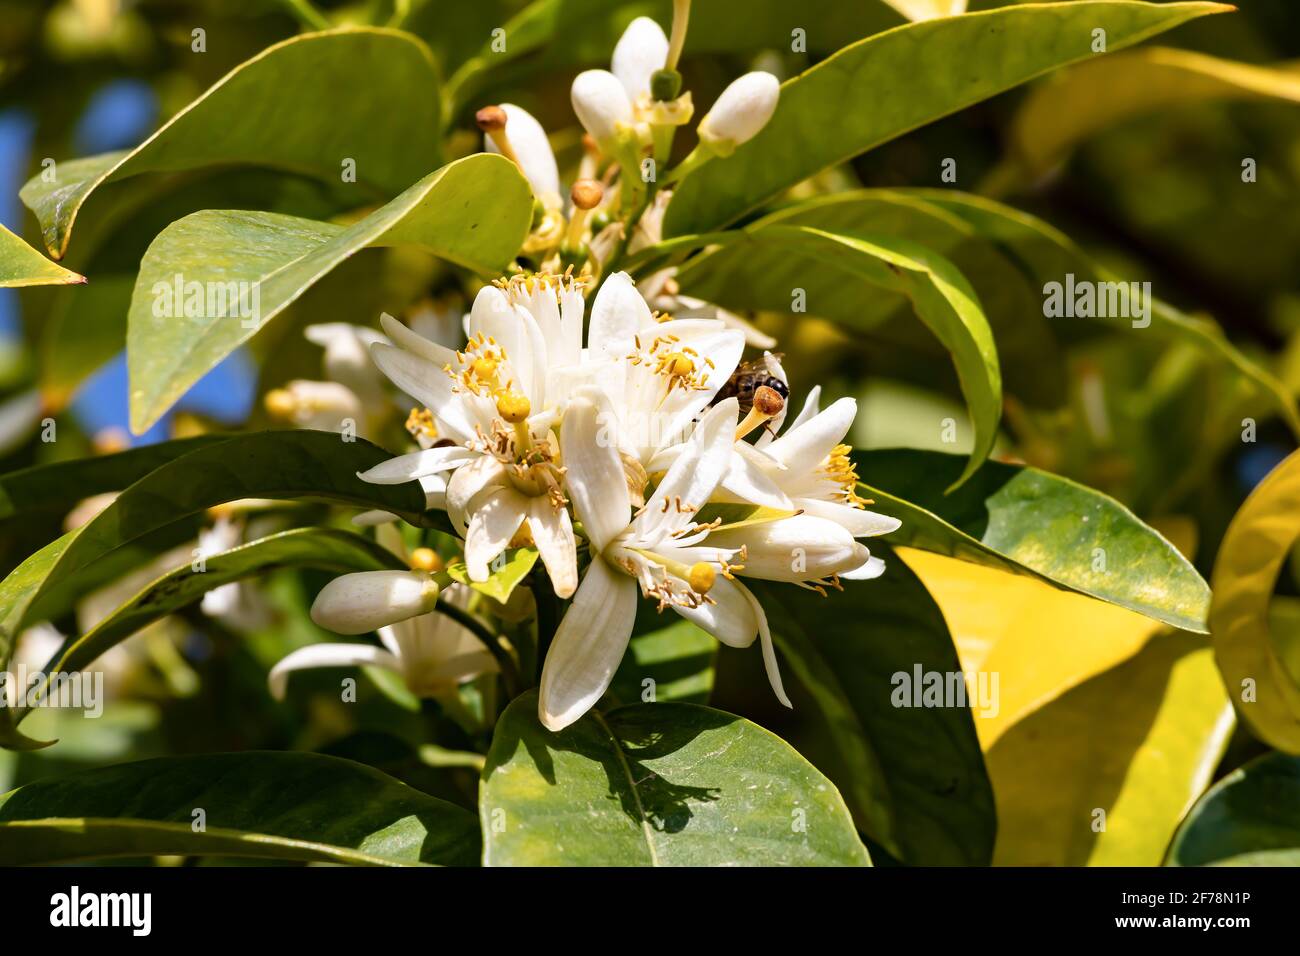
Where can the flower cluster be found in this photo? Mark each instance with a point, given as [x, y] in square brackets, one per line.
[634, 451]
[629, 446]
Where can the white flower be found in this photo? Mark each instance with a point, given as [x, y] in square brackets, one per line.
[327, 406]
[347, 358]
[661, 549]
[663, 294]
[812, 468]
[235, 603]
[740, 112]
[532, 151]
[497, 400]
[661, 375]
[602, 106]
[432, 653]
[368, 600]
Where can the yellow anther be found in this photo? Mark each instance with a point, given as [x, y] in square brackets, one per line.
[513, 407]
[701, 577]
[426, 559]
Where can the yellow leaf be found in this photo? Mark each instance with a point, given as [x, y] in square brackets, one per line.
[1245, 572]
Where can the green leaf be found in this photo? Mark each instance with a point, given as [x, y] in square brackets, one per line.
[57, 487]
[1139, 742]
[286, 806]
[279, 464]
[1250, 817]
[910, 76]
[939, 294]
[1092, 96]
[507, 573]
[21, 265]
[474, 212]
[323, 548]
[748, 276]
[1256, 545]
[676, 655]
[656, 785]
[914, 777]
[307, 104]
[1032, 522]
[1048, 255]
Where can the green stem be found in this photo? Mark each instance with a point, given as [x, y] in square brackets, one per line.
[509, 672]
[307, 15]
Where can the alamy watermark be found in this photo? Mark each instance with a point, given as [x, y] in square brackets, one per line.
[78, 690]
[922, 688]
[1084, 299]
[193, 299]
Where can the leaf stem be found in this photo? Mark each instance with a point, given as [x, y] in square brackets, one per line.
[307, 15]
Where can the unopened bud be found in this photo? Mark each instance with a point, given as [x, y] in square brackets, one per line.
[587, 193]
[601, 104]
[368, 600]
[426, 559]
[491, 119]
[742, 110]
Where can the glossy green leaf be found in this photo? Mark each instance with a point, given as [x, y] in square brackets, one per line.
[323, 548]
[939, 294]
[1102, 774]
[508, 572]
[1029, 521]
[1256, 545]
[306, 104]
[1249, 818]
[474, 212]
[910, 76]
[57, 487]
[913, 776]
[1092, 96]
[670, 660]
[1048, 255]
[761, 276]
[665, 784]
[286, 806]
[21, 265]
[279, 464]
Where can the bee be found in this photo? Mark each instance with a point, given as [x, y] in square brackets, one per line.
[748, 378]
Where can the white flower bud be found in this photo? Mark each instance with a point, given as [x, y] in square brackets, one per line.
[740, 112]
[532, 150]
[368, 600]
[641, 50]
[601, 104]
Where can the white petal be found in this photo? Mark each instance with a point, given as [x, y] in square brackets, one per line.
[595, 478]
[465, 485]
[806, 446]
[328, 655]
[553, 533]
[536, 158]
[429, 385]
[730, 620]
[494, 517]
[689, 483]
[588, 645]
[640, 51]
[372, 519]
[858, 522]
[617, 314]
[601, 104]
[801, 548]
[871, 568]
[418, 464]
[746, 481]
[769, 652]
[515, 330]
[367, 600]
[405, 338]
